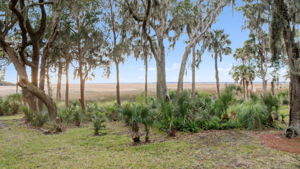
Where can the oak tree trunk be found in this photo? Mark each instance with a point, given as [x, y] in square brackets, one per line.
[182, 69]
[194, 74]
[161, 85]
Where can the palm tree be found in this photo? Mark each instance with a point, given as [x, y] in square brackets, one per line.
[245, 74]
[219, 45]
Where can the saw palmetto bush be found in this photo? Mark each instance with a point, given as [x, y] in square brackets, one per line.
[272, 103]
[98, 119]
[253, 115]
[71, 114]
[147, 119]
[227, 98]
[11, 104]
[36, 119]
[132, 117]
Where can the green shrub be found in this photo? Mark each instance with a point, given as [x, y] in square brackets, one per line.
[167, 118]
[1, 108]
[98, 120]
[71, 114]
[272, 103]
[39, 119]
[112, 111]
[28, 114]
[132, 117]
[212, 123]
[11, 105]
[36, 119]
[147, 119]
[226, 99]
[92, 108]
[77, 116]
[253, 115]
[285, 102]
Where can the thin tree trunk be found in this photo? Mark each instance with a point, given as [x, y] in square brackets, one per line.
[182, 69]
[194, 74]
[217, 75]
[82, 94]
[146, 78]
[118, 84]
[17, 86]
[264, 87]
[49, 81]
[247, 88]
[59, 77]
[244, 87]
[67, 84]
[273, 87]
[42, 77]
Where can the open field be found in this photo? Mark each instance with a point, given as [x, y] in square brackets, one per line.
[24, 147]
[106, 92]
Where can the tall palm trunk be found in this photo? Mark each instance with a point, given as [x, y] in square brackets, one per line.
[273, 86]
[82, 94]
[247, 88]
[59, 77]
[67, 84]
[244, 88]
[217, 74]
[118, 84]
[146, 78]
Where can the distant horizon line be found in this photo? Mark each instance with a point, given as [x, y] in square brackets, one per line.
[167, 83]
[284, 82]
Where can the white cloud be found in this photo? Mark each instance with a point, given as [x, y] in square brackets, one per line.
[224, 70]
[150, 69]
[174, 66]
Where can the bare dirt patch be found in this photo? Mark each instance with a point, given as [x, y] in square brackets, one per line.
[278, 141]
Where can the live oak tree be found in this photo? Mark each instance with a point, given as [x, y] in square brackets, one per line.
[159, 16]
[219, 45]
[2, 73]
[88, 41]
[21, 37]
[285, 20]
[119, 24]
[198, 17]
[3, 64]
[62, 49]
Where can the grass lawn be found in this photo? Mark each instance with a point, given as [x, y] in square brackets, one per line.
[23, 147]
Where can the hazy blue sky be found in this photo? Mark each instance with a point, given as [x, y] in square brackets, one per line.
[133, 70]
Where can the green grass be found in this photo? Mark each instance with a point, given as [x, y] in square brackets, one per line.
[24, 147]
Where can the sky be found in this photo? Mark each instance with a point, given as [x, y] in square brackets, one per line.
[132, 70]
